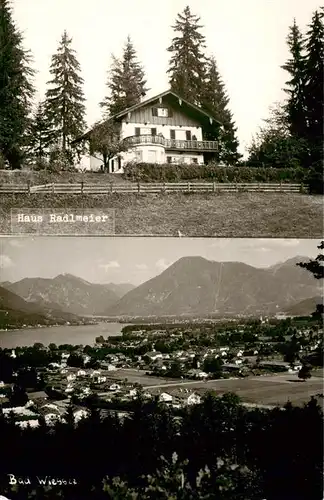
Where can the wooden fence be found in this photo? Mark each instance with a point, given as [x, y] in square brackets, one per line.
[167, 187]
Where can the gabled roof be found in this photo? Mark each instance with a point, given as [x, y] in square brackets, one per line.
[160, 96]
[167, 93]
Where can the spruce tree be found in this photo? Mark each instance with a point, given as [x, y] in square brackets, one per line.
[126, 82]
[295, 66]
[188, 63]
[16, 89]
[215, 101]
[64, 103]
[40, 136]
[314, 88]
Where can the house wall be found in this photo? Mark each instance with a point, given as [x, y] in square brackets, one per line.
[128, 129]
[95, 163]
[144, 119]
[145, 115]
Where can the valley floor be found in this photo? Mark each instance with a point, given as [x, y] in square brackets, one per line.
[271, 390]
[227, 215]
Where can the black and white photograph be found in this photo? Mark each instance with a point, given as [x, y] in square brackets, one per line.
[140, 340]
[202, 118]
[161, 250]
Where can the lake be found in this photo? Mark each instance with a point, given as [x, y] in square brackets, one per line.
[84, 334]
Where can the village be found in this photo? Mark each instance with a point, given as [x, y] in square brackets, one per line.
[177, 364]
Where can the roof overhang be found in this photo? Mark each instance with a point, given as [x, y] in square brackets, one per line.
[168, 97]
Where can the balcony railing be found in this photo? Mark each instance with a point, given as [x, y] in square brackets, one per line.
[173, 144]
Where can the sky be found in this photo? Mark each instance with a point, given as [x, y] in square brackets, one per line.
[114, 260]
[248, 39]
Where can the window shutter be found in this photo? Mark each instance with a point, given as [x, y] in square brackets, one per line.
[137, 131]
[188, 135]
[170, 112]
[153, 131]
[154, 112]
[172, 134]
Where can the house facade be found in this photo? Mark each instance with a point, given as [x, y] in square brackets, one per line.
[163, 129]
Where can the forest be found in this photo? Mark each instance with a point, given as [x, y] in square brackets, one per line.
[218, 449]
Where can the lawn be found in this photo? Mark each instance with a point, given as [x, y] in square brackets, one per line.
[227, 215]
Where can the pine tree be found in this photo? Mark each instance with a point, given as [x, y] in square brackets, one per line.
[188, 63]
[64, 102]
[40, 136]
[126, 82]
[16, 89]
[273, 145]
[314, 88]
[215, 101]
[295, 66]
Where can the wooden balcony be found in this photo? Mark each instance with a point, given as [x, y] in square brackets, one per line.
[172, 144]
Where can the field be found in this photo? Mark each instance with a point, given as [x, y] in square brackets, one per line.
[240, 215]
[269, 390]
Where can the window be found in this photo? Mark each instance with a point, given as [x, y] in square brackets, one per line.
[169, 159]
[153, 131]
[172, 134]
[194, 160]
[138, 153]
[146, 131]
[188, 135]
[137, 131]
[151, 156]
[163, 112]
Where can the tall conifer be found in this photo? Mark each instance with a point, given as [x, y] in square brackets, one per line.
[126, 82]
[16, 89]
[64, 102]
[295, 86]
[315, 88]
[187, 65]
[216, 101]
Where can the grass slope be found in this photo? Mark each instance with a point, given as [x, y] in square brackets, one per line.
[240, 215]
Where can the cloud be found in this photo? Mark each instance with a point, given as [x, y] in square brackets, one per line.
[141, 267]
[113, 264]
[5, 262]
[162, 264]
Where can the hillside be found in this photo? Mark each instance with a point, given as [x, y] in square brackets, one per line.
[70, 293]
[305, 307]
[194, 285]
[15, 312]
[225, 215]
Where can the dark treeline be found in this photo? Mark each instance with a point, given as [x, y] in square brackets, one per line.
[276, 454]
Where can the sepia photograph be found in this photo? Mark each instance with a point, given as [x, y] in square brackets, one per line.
[161, 250]
[202, 118]
[208, 348]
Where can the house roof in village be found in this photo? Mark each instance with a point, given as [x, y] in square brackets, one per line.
[191, 109]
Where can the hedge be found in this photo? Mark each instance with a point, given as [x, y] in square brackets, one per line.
[150, 172]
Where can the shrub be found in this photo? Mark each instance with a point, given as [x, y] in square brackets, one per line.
[148, 172]
[315, 179]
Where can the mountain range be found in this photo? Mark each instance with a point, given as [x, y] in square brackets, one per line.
[192, 286]
[69, 293]
[197, 286]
